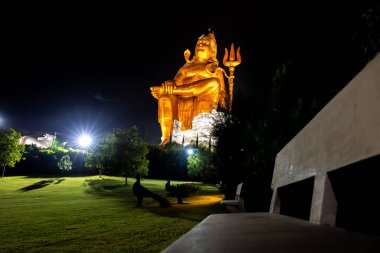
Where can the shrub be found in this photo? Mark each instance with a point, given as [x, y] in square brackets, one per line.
[65, 163]
[183, 190]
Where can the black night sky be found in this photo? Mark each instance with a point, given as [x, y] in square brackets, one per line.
[67, 68]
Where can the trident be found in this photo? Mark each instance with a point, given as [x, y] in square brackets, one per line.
[231, 64]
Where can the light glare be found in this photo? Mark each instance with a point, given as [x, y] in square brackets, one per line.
[85, 140]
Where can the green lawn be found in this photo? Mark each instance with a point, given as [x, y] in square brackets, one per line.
[89, 214]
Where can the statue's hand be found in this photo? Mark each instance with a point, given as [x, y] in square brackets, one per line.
[166, 88]
[168, 83]
[156, 91]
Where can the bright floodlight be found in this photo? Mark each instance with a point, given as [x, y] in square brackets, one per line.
[190, 151]
[85, 140]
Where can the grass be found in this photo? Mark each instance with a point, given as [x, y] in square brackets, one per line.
[89, 214]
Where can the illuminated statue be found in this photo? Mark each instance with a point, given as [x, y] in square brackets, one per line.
[197, 87]
[41, 142]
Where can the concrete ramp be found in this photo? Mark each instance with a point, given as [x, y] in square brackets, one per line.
[269, 233]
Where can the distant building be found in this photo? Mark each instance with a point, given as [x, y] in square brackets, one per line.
[43, 142]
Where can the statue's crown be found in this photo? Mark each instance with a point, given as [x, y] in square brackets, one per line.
[211, 38]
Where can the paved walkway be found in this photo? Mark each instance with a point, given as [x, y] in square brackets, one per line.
[269, 233]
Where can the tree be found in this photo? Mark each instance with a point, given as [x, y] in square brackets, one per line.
[102, 153]
[168, 161]
[10, 151]
[368, 34]
[233, 152]
[130, 153]
[65, 163]
[122, 152]
[201, 164]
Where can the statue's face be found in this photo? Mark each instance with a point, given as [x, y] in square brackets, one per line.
[203, 49]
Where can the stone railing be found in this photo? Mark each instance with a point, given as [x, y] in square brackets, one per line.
[345, 131]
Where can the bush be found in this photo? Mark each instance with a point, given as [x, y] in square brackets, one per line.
[65, 163]
[183, 190]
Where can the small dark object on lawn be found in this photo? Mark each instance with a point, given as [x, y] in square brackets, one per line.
[141, 192]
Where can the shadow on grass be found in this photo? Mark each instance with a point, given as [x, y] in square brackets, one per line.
[194, 208]
[107, 184]
[41, 184]
[59, 180]
[108, 187]
[38, 185]
[118, 190]
[188, 210]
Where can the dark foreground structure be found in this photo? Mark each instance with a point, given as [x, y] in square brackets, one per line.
[265, 232]
[325, 185]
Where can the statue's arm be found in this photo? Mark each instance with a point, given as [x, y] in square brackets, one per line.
[168, 86]
[179, 77]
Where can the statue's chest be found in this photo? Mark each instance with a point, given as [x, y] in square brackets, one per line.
[197, 71]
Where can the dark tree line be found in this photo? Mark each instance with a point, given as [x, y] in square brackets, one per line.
[120, 153]
[168, 162]
[263, 121]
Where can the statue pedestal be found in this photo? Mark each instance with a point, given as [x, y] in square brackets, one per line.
[201, 126]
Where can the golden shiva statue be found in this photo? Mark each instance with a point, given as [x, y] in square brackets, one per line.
[197, 87]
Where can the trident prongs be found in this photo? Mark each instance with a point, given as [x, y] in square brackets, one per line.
[231, 63]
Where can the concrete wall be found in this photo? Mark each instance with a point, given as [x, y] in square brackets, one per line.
[345, 131]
